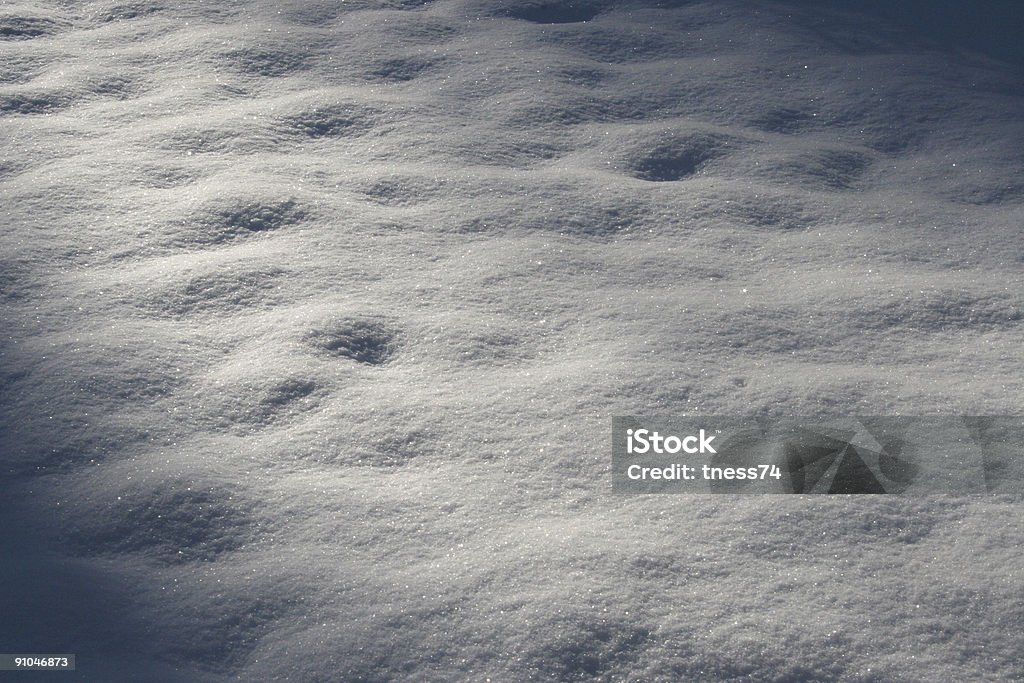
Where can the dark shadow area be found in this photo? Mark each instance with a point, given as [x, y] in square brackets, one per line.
[556, 12]
[991, 27]
[53, 603]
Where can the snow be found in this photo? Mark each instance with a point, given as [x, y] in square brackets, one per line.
[315, 316]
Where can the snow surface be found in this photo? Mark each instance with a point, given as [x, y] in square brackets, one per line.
[315, 315]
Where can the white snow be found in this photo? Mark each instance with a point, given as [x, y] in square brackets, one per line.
[315, 316]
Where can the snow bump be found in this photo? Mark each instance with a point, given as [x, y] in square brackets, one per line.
[366, 340]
